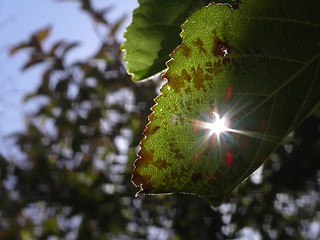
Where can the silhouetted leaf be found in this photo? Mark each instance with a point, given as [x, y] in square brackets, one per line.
[15, 49]
[69, 47]
[60, 48]
[33, 60]
[62, 86]
[56, 46]
[116, 26]
[42, 34]
[35, 41]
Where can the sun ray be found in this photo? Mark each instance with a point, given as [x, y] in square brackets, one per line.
[220, 125]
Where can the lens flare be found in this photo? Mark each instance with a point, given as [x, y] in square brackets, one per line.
[218, 126]
[219, 132]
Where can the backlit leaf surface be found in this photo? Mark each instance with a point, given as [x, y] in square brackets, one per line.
[256, 65]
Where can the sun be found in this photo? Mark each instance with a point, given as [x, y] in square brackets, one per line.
[218, 126]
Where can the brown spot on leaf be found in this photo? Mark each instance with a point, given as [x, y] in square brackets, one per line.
[145, 157]
[139, 179]
[222, 50]
[161, 164]
[200, 44]
[236, 5]
[151, 117]
[188, 89]
[174, 150]
[144, 181]
[199, 77]
[186, 51]
[151, 130]
[185, 75]
[213, 68]
[175, 81]
[178, 156]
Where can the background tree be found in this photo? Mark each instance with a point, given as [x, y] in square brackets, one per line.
[79, 149]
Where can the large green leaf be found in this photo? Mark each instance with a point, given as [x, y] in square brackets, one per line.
[257, 66]
[154, 33]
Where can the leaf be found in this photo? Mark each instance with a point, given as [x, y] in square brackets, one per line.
[60, 48]
[18, 47]
[42, 34]
[57, 45]
[33, 60]
[35, 41]
[116, 26]
[69, 47]
[153, 34]
[37, 38]
[258, 67]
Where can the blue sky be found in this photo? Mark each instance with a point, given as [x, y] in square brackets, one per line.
[18, 20]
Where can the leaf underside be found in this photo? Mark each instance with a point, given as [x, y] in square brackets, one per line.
[154, 33]
[258, 65]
